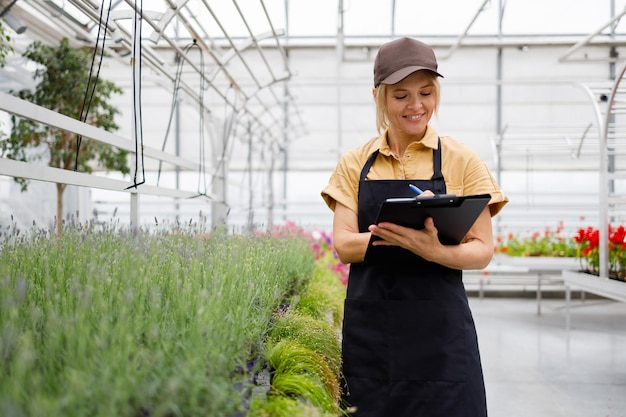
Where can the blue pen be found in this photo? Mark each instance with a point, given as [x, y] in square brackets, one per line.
[415, 189]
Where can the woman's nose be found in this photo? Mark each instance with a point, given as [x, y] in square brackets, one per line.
[415, 102]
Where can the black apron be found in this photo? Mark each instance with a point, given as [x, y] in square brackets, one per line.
[409, 342]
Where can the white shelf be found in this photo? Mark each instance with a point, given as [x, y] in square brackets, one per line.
[535, 264]
[605, 287]
[521, 270]
[602, 286]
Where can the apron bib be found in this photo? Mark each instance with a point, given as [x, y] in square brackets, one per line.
[409, 343]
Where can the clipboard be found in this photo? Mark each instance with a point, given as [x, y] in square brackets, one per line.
[453, 216]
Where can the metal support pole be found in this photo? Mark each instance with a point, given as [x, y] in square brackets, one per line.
[499, 130]
[539, 278]
[568, 302]
[340, 54]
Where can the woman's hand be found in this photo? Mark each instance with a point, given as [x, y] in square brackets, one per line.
[421, 242]
[424, 242]
[475, 252]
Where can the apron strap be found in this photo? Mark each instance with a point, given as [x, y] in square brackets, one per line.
[368, 164]
[437, 175]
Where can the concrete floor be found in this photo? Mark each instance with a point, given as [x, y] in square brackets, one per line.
[535, 367]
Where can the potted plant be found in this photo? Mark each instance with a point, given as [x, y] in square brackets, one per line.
[550, 250]
[588, 251]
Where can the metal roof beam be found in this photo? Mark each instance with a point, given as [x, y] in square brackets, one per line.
[585, 41]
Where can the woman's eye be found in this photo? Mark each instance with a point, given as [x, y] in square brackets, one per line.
[400, 97]
[425, 93]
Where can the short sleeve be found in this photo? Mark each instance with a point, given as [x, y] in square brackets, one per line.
[466, 173]
[343, 184]
[480, 180]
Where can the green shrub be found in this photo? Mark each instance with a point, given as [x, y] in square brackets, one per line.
[311, 333]
[109, 322]
[303, 351]
[324, 296]
[281, 406]
[300, 372]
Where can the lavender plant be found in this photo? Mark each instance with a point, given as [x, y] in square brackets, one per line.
[105, 321]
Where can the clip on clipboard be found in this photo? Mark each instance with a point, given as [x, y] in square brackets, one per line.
[453, 216]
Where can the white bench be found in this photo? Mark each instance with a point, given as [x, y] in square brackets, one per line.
[602, 286]
[521, 272]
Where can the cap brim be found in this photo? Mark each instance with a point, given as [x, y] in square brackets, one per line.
[401, 74]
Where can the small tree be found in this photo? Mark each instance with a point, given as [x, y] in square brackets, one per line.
[5, 48]
[63, 75]
[5, 45]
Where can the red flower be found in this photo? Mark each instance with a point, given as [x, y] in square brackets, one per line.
[617, 236]
[560, 227]
[588, 241]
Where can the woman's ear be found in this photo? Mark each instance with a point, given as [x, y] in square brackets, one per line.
[374, 92]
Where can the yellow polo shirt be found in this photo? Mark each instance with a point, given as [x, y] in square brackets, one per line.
[464, 172]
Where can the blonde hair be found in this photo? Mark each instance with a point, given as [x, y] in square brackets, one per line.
[380, 99]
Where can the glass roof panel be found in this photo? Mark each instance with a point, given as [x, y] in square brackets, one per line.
[447, 17]
[313, 18]
[66, 8]
[234, 26]
[367, 18]
[553, 17]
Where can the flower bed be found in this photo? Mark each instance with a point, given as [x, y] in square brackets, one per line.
[325, 253]
[552, 243]
[583, 245]
[110, 322]
[589, 253]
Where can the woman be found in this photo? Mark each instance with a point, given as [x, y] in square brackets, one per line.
[409, 342]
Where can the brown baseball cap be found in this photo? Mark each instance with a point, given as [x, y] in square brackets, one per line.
[400, 58]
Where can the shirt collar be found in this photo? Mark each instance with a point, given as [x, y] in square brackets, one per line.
[430, 140]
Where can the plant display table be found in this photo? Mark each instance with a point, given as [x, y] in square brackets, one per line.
[602, 286]
[540, 269]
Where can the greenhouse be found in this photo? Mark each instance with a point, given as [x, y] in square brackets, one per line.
[184, 232]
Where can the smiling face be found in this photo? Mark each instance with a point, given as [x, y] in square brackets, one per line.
[410, 105]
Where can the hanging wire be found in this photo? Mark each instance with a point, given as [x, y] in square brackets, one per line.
[202, 191]
[227, 132]
[202, 181]
[201, 162]
[174, 104]
[89, 90]
[137, 115]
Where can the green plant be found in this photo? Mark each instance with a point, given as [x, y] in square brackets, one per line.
[326, 254]
[302, 347]
[300, 372]
[324, 295]
[549, 243]
[311, 333]
[5, 45]
[63, 76]
[105, 321]
[282, 406]
[5, 49]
